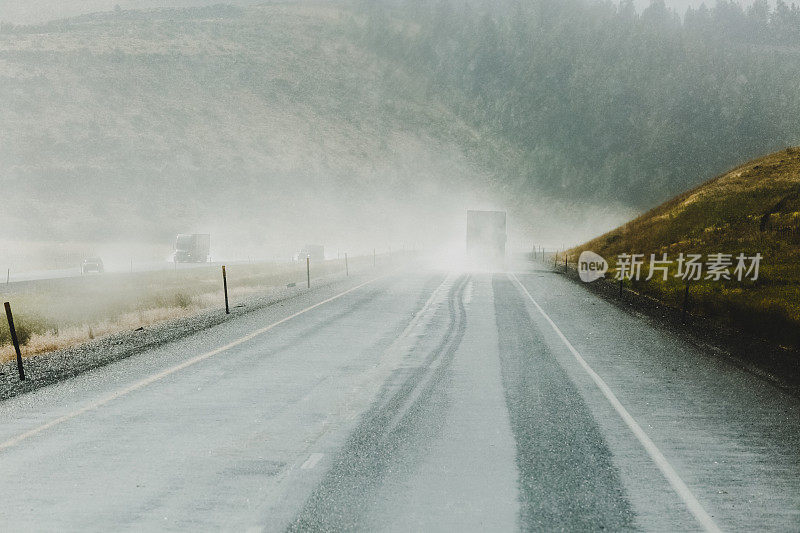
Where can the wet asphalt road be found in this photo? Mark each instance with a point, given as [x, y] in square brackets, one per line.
[423, 400]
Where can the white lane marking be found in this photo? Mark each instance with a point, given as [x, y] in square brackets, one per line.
[685, 493]
[155, 377]
[312, 461]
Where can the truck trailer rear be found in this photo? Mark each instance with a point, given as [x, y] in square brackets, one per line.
[486, 238]
[192, 248]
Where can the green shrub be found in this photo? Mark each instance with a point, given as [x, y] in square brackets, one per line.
[183, 300]
[25, 326]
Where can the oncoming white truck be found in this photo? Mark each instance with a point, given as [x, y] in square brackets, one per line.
[192, 248]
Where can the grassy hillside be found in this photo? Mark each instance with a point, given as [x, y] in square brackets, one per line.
[754, 208]
[270, 121]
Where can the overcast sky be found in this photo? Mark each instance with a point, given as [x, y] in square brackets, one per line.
[33, 11]
[681, 5]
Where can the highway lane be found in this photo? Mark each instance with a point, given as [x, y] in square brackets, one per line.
[732, 437]
[423, 400]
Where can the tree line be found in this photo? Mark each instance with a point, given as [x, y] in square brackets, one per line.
[604, 102]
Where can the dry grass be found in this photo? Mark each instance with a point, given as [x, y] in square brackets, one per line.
[56, 339]
[55, 314]
[754, 208]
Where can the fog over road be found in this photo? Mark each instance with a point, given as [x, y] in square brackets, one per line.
[420, 400]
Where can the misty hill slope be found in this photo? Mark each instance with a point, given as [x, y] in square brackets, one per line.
[754, 208]
[607, 104]
[139, 125]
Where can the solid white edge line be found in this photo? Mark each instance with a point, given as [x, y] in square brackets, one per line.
[685, 493]
[155, 377]
[312, 461]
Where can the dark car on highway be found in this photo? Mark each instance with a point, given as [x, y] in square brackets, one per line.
[92, 264]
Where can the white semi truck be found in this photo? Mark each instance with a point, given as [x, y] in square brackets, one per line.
[192, 248]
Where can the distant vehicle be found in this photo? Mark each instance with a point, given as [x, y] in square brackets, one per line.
[315, 252]
[486, 237]
[192, 248]
[92, 264]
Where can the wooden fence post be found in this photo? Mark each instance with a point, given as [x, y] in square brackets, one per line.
[225, 287]
[685, 306]
[15, 340]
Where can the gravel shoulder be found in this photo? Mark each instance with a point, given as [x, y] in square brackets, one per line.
[45, 369]
[776, 364]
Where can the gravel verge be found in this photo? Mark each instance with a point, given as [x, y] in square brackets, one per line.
[776, 364]
[44, 369]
